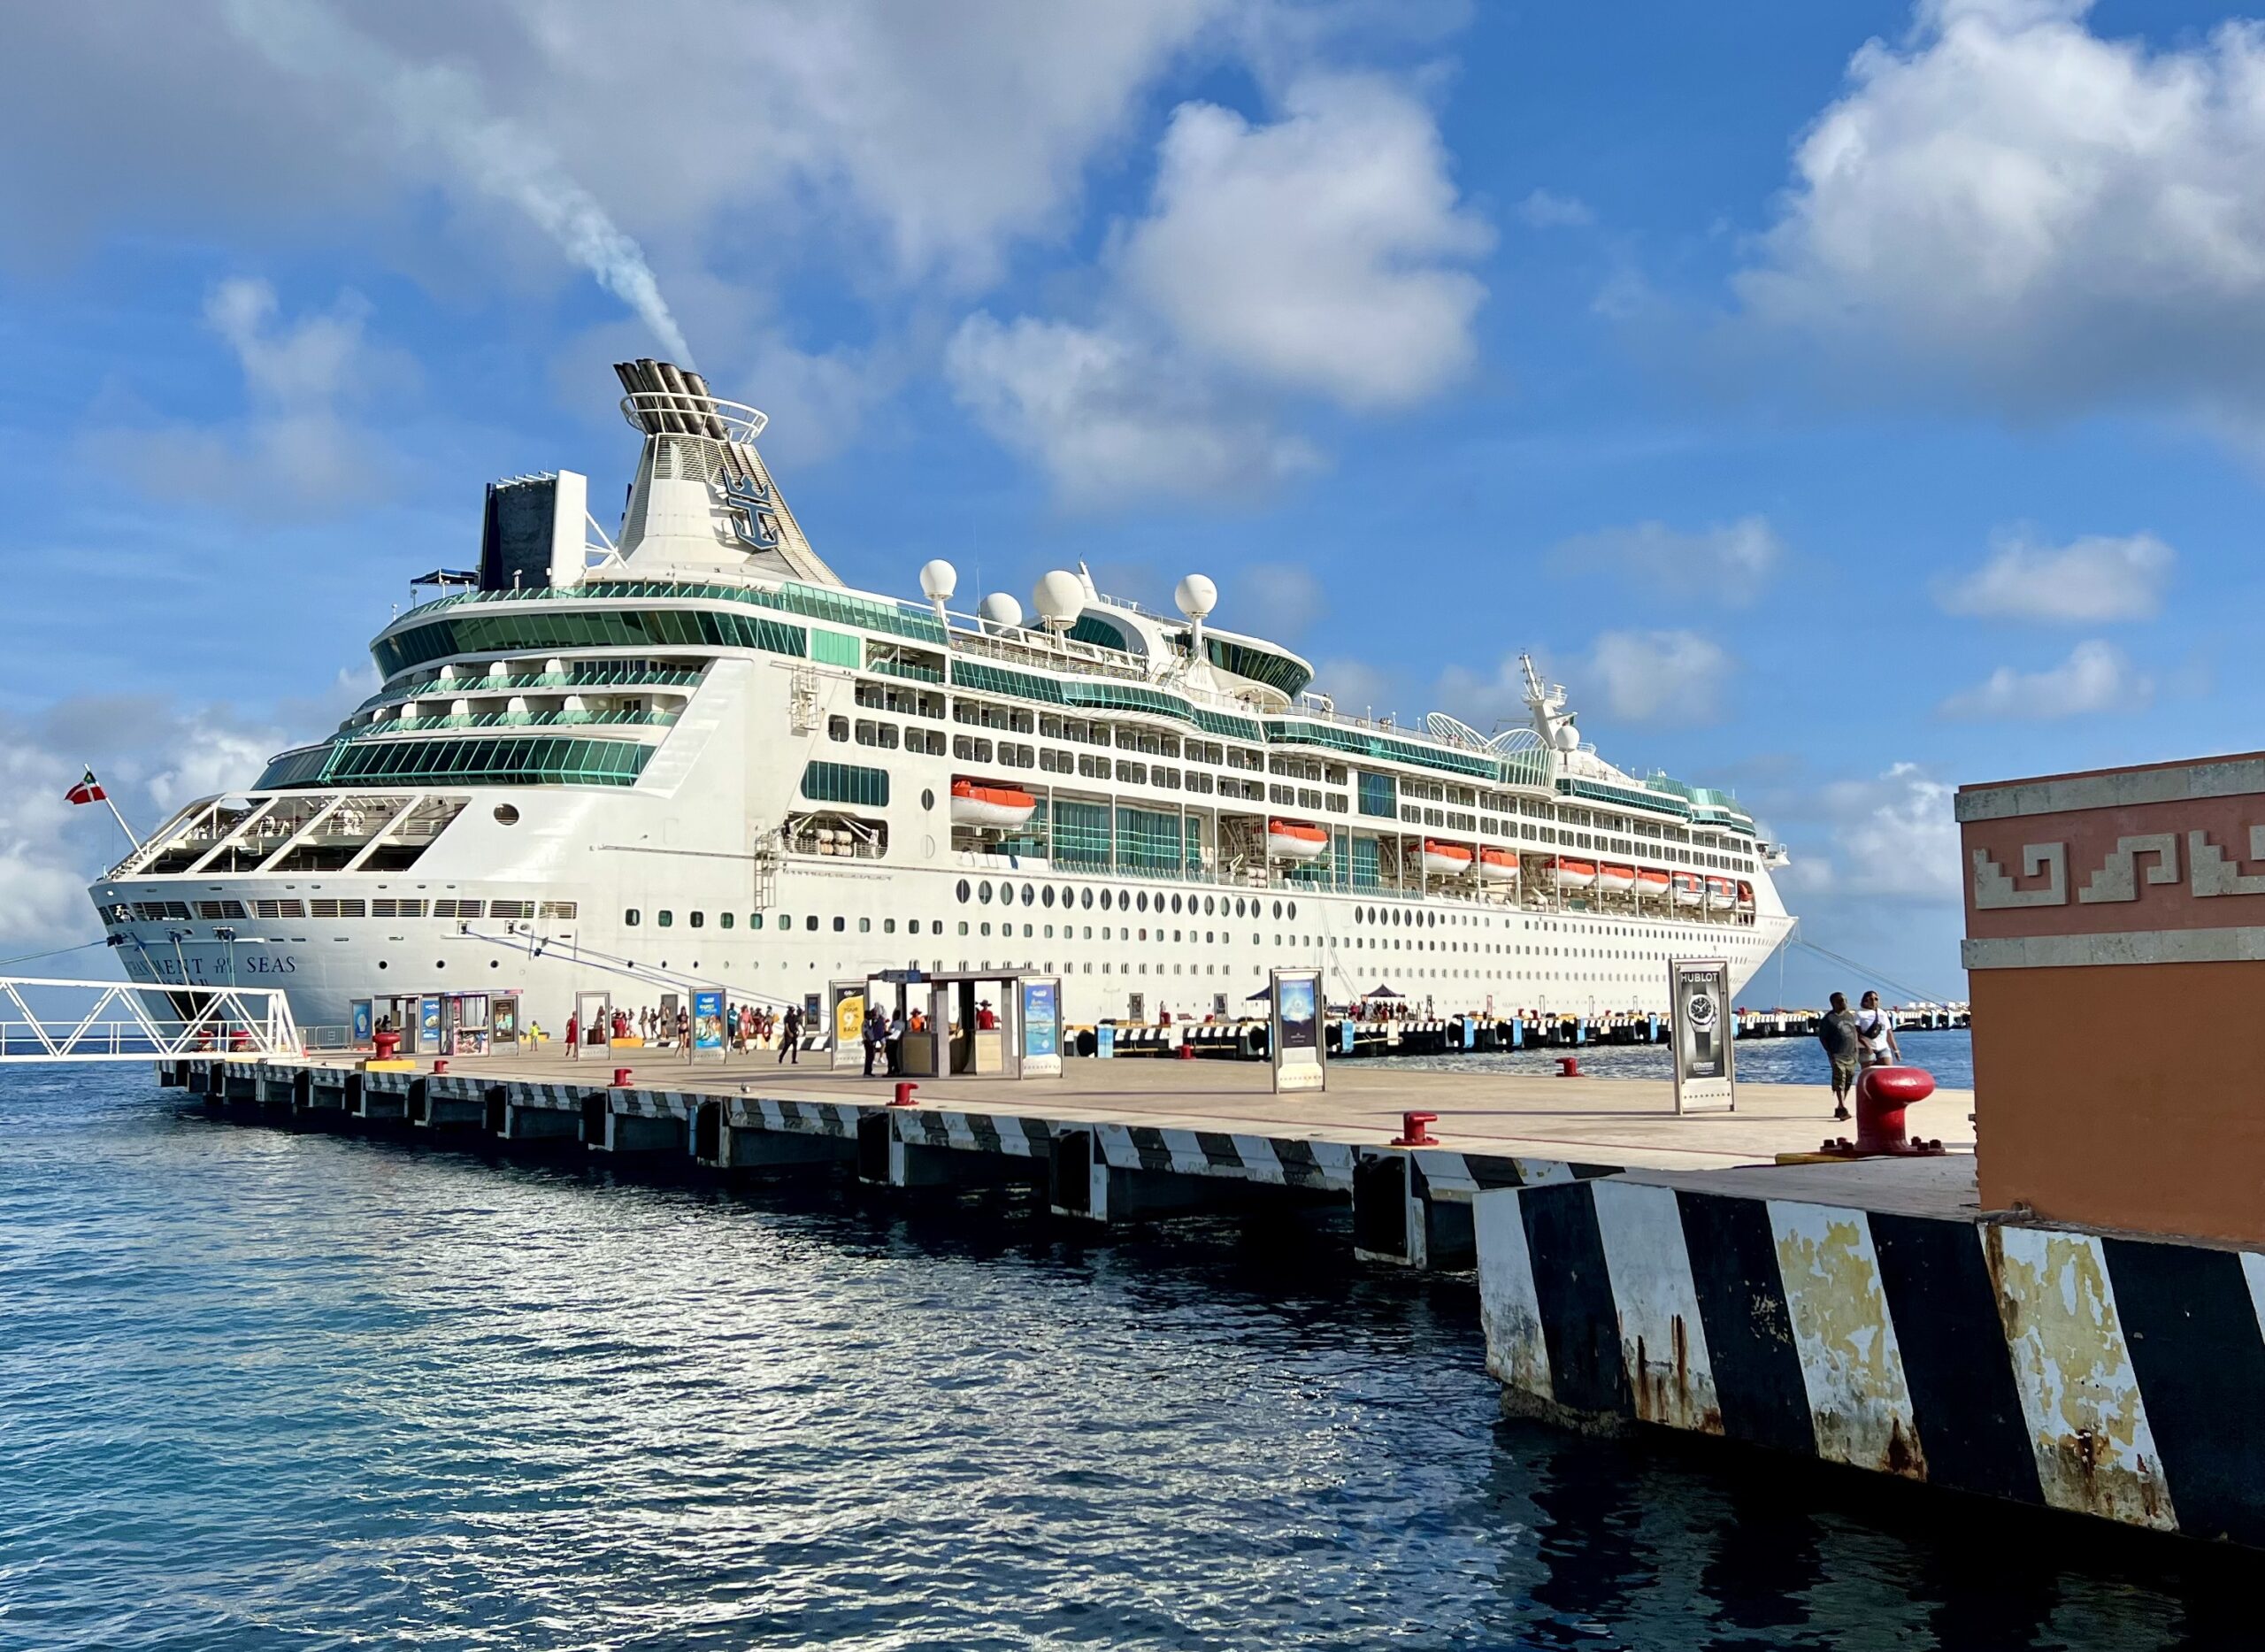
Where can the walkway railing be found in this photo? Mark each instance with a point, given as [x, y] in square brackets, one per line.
[48, 1020]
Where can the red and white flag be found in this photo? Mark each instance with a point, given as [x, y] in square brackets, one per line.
[89, 790]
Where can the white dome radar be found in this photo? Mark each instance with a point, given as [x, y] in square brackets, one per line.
[938, 580]
[1059, 598]
[999, 612]
[1196, 596]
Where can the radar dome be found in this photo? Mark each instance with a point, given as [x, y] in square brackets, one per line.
[1196, 596]
[1569, 738]
[999, 609]
[1059, 597]
[938, 580]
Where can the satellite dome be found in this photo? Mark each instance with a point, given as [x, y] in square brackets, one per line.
[1059, 597]
[1196, 596]
[1000, 609]
[1569, 738]
[938, 580]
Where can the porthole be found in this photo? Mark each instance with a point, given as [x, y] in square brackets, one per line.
[811, 922]
[631, 919]
[983, 892]
[1006, 895]
[699, 919]
[381, 963]
[1278, 909]
[1175, 906]
[506, 815]
[1140, 900]
[1030, 895]
[962, 892]
[1086, 897]
[927, 798]
[1294, 908]
[1046, 896]
[667, 916]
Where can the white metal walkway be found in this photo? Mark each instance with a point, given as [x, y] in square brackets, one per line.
[44, 1020]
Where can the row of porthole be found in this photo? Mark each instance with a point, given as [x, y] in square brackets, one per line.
[632, 918]
[1124, 899]
[441, 963]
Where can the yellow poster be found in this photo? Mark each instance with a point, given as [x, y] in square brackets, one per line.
[850, 1020]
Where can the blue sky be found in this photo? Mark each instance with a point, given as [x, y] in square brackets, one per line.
[1846, 402]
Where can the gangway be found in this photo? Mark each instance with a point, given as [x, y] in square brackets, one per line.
[52, 1020]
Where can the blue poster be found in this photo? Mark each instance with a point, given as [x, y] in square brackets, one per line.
[1105, 1041]
[364, 1022]
[428, 1022]
[1041, 1020]
[708, 1021]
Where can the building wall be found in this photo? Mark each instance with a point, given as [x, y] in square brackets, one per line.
[2115, 925]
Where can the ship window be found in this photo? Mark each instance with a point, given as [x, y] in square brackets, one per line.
[506, 815]
[785, 922]
[811, 922]
[1106, 897]
[723, 919]
[699, 919]
[987, 929]
[1006, 895]
[1278, 909]
[962, 925]
[888, 926]
[1046, 896]
[1293, 909]
[1086, 898]
[837, 728]
[962, 892]
[1029, 895]
[840, 924]
[755, 920]
[667, 916]
[631, 919]
[928, 800]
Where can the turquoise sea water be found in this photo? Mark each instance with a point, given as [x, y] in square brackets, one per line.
[266, 1390]
[1949, 1055]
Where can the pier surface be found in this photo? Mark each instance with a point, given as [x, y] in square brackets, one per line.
[1623, 1122]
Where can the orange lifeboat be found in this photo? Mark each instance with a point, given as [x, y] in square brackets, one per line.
[977, 804]
[1296, 839]
[1499, 865]
[1615, 880]
[1720, 895]
[1575, 874]
[1689, 890]
[1447, 860]
[1651, 882]
[1745, 895]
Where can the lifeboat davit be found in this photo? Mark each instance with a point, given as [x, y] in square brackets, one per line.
[975, 803]
[1650, 882]
[1499, 865]
[1616, 880]
[1445, 860]
[1575, 874]
[1720, 895]
[1689, 891]
[1295, 840]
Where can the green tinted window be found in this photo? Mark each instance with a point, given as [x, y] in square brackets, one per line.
[533, 762]
[846, 783]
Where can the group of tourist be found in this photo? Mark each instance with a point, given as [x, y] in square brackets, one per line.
[747, 1026]
[1856, 1039]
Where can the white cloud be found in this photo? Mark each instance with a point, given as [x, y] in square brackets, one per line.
[2094, 581]
[2009, 200]
[1312, 255]
[1484, 702]
[1318, 252]
[1360, 688]
[1727, 563]
[1106, 422]
[294, 444]
[1545, 210]
[1894, 835]
[1281, 598]
[2095, 677]
[1661, 676]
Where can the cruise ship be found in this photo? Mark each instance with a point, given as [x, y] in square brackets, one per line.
[687, 756]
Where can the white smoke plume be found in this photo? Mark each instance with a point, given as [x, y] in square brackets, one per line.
[438, 107]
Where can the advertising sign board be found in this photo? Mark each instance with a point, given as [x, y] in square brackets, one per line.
[1699, 990]
[708, 1026]
[1296, 1044]
[1041, 1027]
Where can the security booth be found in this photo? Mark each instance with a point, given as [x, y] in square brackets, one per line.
[975, 1024]
[593, 1019]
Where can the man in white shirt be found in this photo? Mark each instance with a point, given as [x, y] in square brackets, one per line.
[1878, 1032]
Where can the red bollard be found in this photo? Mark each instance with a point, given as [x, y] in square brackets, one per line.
[1882, 1093]
[904, 1095]
[621, 1078]
[1412, 1132]
[441, 1065]
[1569, 1067]
[1186, 1051]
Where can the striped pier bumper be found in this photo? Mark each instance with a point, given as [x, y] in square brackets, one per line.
[2108, 1376]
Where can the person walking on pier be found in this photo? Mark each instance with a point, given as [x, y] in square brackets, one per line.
[876, 1041]
[1877, 1030]
[1837, 1032]
[574, 1036]
[790, 1034]
[895, 1044]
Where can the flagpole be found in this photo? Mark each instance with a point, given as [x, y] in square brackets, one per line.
[112, 807]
